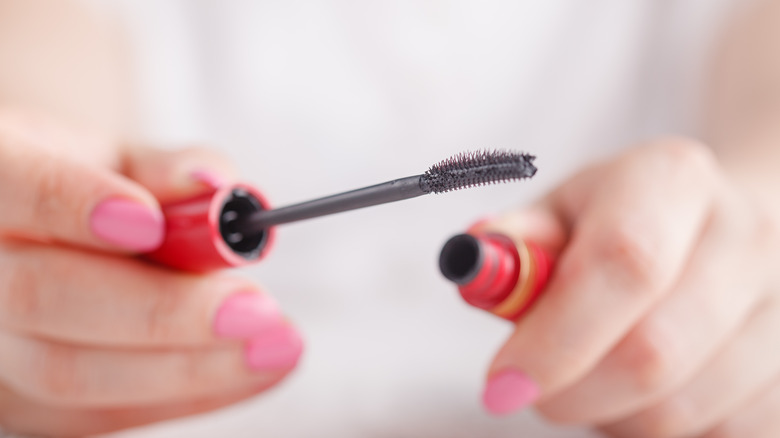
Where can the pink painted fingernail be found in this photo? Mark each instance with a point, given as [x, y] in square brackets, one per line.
[278, 349]
[208, 178]
[245, 315]
[509, 391]
[128, 224]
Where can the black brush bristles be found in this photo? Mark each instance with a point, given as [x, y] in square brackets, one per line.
[470, 169]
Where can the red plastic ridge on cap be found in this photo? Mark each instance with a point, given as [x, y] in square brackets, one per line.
[193, 241]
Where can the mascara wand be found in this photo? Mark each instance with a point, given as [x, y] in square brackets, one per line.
[461, 171]
[233, 225]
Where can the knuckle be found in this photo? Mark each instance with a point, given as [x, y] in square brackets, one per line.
[49, 192]
[160, 322]
[56, 377]
[180, 309]
[630, 253]
[198, 371]
[691, 157]
[20, 295]
[650, 359]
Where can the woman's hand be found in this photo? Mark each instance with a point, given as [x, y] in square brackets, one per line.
[93, 339]
[662, 318]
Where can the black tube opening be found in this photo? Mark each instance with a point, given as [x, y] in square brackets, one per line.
[238, 205]
[461, 258]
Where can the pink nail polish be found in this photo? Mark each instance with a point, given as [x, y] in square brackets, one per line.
[275, 350]
[208, 178]
[128, 224]
[245, 315]
[509, 391]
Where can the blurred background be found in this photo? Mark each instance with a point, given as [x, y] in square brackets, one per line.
[311, 98]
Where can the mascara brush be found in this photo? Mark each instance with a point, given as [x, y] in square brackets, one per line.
[461, 171]
[234, 226]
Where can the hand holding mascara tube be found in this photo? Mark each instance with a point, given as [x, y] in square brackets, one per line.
[93, 337]
[92, 317]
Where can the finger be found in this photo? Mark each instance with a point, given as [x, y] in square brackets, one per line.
[680, 334]
[538, 222]
[735, 375]
[627, 248]
[177, 174]
[94, 299]
[756, 419]
[67, 197]
[69, 375]
[40, 131]
[19, 414]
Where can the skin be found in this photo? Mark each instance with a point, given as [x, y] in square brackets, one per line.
[661, 319]
[72, 364]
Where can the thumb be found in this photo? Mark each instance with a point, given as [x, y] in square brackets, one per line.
[539, 223]
[540, 230]
[548, 224]
[172, 175]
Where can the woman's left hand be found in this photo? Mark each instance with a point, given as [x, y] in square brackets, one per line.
[663, 316]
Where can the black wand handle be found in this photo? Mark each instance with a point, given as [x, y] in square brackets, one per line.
[395, 190]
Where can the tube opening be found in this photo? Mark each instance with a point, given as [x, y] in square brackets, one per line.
[461, 259]
[241, 204]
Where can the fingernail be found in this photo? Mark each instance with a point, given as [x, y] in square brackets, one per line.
[208, 178]
[509, 391]
[128, 224]
[246, 314]
[278, 349]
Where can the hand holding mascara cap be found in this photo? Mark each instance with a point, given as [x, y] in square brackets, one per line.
[662, 293]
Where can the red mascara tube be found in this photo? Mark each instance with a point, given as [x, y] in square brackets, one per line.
[496, 273]
[201, 235]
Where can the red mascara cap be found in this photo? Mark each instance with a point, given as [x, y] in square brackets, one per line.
[485, 267]
[198, 232]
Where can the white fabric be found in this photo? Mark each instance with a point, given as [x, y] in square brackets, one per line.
[312, 98]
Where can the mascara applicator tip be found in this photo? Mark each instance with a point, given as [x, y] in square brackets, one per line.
[470, 169]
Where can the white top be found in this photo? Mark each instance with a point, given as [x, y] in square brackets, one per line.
[311, 98]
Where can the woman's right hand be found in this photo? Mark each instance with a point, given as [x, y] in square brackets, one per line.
[93, 339]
